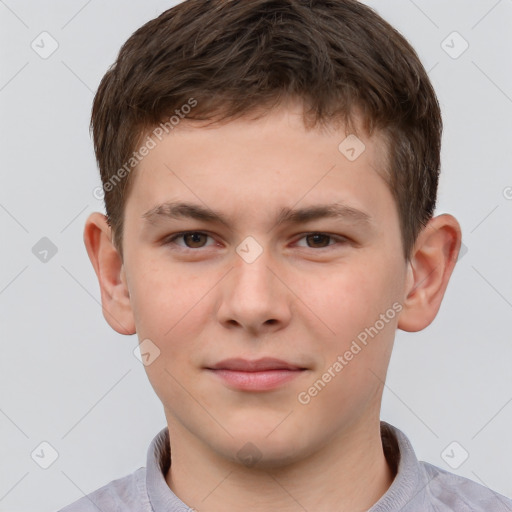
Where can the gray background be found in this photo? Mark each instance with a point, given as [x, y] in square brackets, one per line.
[68, 379]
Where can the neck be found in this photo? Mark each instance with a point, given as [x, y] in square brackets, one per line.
[350, 473]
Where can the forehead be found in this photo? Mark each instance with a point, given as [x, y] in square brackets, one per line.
[274, 162]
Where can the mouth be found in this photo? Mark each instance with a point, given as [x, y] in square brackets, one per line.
[257, 375]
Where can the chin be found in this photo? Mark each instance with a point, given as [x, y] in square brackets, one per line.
[257, 449]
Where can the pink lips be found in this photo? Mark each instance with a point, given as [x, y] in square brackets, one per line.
[258, 375]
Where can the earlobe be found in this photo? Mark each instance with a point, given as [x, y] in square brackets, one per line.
[107, 263]
[430, 267]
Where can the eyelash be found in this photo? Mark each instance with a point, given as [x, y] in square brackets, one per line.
[341, 240]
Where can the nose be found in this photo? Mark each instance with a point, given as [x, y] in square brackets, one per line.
[255, 296]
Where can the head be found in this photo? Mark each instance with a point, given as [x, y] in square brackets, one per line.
[249, 111]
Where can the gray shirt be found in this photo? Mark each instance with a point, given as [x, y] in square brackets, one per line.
[417, 487]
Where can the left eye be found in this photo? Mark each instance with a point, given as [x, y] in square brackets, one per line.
[320, 240]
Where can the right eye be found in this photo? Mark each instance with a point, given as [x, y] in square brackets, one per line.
[192, 239]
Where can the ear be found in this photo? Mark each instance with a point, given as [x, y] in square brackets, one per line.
[429, 269]
[108, 265]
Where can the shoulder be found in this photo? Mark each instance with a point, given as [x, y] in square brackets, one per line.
[123, 494]
[449, 491]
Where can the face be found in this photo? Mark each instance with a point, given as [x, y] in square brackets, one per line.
[266, 274]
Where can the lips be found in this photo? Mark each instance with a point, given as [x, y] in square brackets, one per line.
[258, 375]
[258, 365]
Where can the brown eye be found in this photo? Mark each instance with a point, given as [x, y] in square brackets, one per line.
[188, 240]
[193, 240]
[321, 241]
[318, 240]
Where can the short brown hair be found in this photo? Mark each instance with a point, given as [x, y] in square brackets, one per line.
[236, 57]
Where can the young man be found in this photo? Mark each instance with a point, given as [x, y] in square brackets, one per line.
[270, 170]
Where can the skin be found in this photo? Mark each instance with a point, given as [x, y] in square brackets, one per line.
[303, 300]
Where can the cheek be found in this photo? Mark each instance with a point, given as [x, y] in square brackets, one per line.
[351, 303]
[163, 299]
[350, 298]
[358, 307]
[167, 311]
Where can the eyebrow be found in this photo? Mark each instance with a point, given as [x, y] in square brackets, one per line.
[183, 210]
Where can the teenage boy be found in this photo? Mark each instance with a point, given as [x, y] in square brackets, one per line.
[270, 170]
